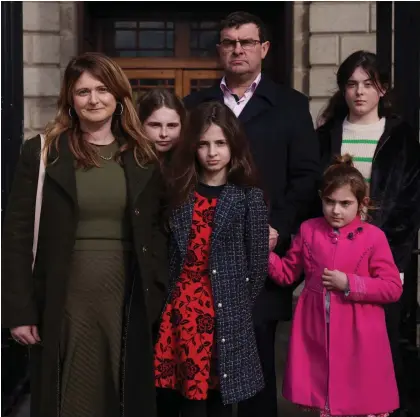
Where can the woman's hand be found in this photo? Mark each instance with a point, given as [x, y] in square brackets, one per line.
[335, 280]
[26, 335]
[272, 238]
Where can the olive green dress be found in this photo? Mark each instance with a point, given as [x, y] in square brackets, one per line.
[90, 346]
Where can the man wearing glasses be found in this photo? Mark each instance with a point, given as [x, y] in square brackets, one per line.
[279, 127]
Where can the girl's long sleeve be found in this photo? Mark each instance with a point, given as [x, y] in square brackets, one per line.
[384, 283]
[256, 238]
[287, 270]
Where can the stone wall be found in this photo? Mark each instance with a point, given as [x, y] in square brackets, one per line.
[301, 46]
[49, 42]
[336, 30]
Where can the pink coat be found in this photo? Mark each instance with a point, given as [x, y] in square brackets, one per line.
[355, 372]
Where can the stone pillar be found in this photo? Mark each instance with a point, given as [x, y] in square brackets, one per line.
[49, 41]
[301, 46]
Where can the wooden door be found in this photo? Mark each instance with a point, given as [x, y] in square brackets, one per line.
[179, 31]
[195, 80]
[181, 76]
[158, 48]
[144, 80]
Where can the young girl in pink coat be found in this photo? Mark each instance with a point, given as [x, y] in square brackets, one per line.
[339, 359]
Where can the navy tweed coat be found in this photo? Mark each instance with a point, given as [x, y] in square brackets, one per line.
[238, 268]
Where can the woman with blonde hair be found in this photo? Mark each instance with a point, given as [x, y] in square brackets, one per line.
[100, 268]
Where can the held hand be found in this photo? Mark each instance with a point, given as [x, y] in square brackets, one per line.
[335, 280]
[26, 335]
[272, 238]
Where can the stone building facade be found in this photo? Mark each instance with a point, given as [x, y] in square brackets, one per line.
[49, 42]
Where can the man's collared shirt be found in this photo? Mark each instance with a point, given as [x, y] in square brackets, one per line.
[232, 101]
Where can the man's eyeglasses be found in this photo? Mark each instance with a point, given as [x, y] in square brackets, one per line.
[246, 44]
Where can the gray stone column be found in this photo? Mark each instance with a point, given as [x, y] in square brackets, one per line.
[49, 41]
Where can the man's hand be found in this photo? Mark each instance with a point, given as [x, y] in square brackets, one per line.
[272, 238]
[26, 335]
[335, 280]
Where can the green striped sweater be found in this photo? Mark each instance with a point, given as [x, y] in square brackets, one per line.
[360, 142]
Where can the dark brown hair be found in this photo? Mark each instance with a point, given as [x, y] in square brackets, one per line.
[337, 108]
[157, 98]
[237, 19]
[124, 124]
[154, 100]
[342, 172]
[185, 166]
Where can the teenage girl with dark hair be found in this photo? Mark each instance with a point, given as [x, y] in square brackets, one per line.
[163, 117]
[359, 120]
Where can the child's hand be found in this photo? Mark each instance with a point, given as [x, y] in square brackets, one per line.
[335, 280]
[272, 238]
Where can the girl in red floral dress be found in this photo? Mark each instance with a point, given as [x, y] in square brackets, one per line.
[206, 349]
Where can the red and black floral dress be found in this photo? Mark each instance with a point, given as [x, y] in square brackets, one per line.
[185, 350]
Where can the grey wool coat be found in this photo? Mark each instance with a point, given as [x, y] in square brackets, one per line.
[238, 267]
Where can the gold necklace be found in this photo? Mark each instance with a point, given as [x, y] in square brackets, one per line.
[106, 158]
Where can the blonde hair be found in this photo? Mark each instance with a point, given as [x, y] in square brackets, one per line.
[126, 124]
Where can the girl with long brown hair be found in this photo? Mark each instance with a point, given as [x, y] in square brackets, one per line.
[163, 117]
[206, 349]
[99, 275]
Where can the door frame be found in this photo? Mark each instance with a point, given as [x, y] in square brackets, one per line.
[182, 76]
[192, 74]
[157, 73]
[181, 70]
[167, 63]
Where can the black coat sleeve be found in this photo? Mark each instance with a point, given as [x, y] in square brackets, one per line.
[18, 300]
[402, 224]
[159, 252]
[303, 172]
[197, 97]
